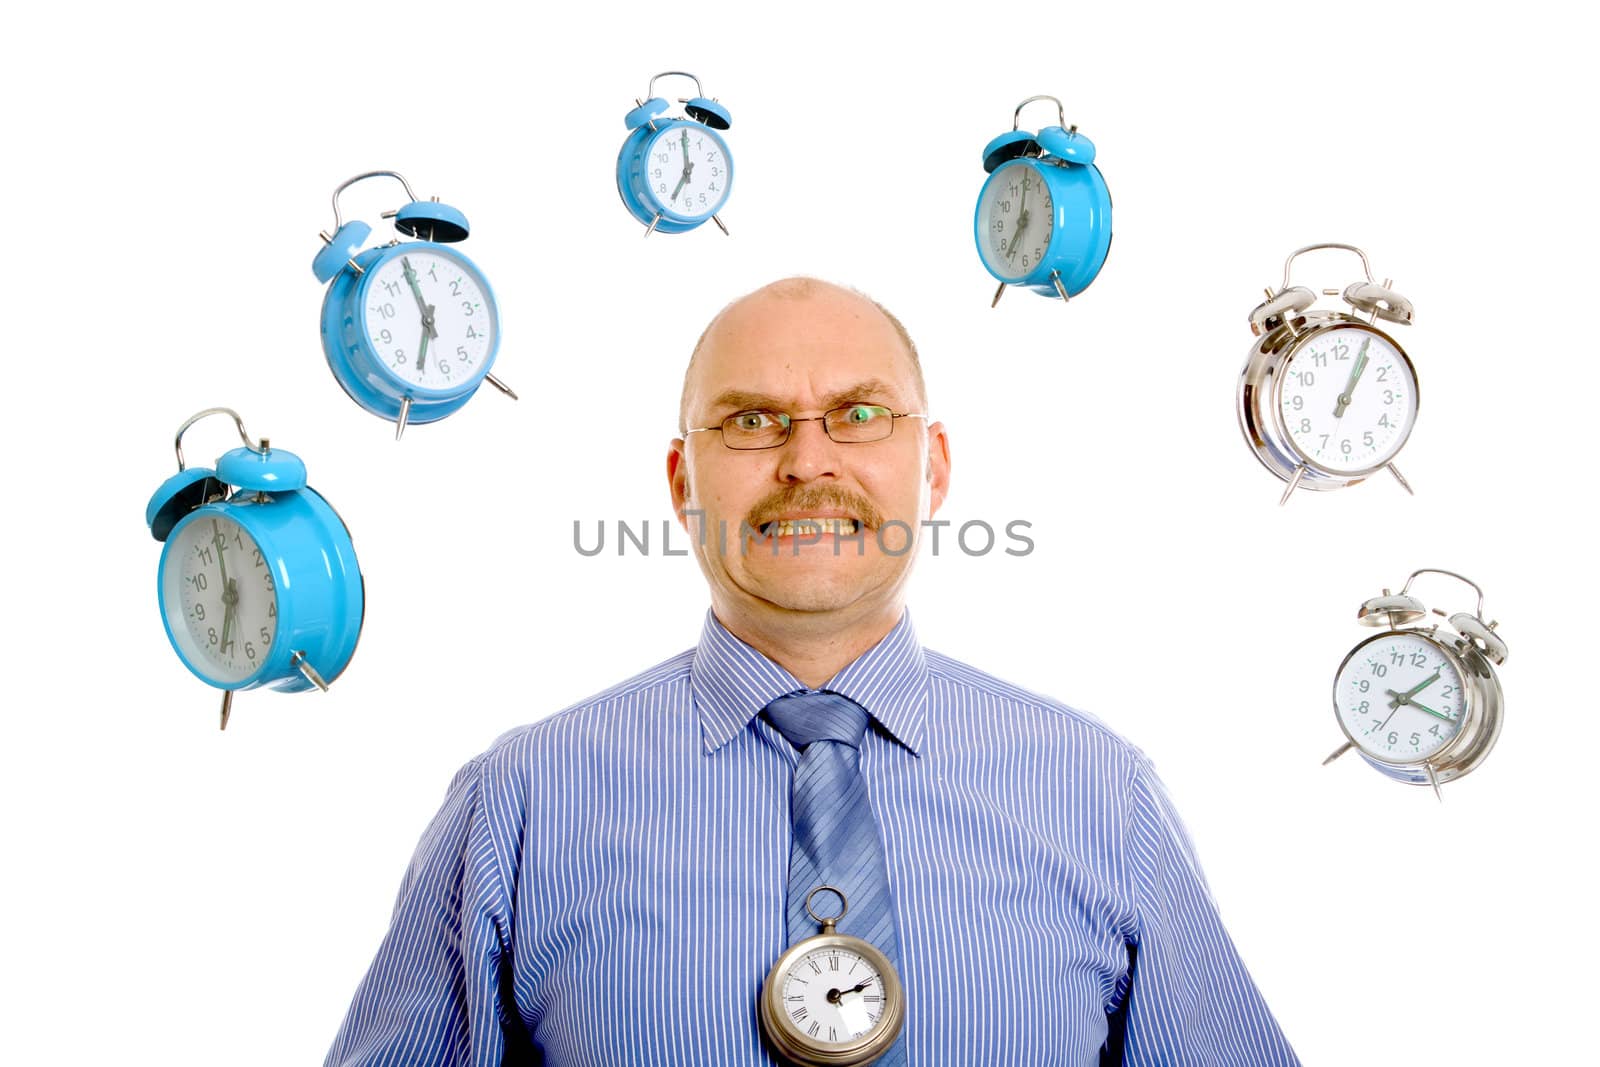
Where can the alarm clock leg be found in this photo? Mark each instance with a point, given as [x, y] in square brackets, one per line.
[1055, 280]
[1341, 750]
[997, 294]
[405, 413]
[227, 707]
[1400, 478]
[721, 225]
[1294, 483]
[1433, 780]
[299, 660]
[652, 227]
[502, 386]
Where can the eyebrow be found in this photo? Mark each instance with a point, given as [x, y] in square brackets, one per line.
[744, 400]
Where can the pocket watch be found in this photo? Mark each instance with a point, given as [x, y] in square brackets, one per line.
[831, 999]
[410, 329]
[1327, 399]
[258, 583]
[1421, 704]
[675, 173]
[1043, 220]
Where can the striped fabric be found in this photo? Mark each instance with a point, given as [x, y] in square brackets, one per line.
[607, 886]
[836, 840]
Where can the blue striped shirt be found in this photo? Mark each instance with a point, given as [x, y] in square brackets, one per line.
[606, 886]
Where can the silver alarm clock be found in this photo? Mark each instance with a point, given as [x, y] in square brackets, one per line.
[1421, 703]
[1326, 398]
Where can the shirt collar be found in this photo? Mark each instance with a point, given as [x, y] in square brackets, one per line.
[732, 683]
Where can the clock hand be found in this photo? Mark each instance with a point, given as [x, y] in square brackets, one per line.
[422, 345]
[1430, 711]
[416, 291]
[1355, 376]
[230, 602]
[1022, 219]
[836, 995]
[1405, 698]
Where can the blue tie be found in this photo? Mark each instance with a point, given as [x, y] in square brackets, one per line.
[836, 839]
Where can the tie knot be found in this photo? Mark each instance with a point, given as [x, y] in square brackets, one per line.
[807, 717]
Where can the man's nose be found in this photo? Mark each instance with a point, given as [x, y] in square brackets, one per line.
[809, 454]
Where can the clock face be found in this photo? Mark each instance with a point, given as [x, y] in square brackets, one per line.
[1019, 218]
[429, 316]
[1348, 399]
[1399, 697]
[219, 597]
[686, 169]
[832, 996]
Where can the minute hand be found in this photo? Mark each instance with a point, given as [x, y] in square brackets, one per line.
[1350, 386]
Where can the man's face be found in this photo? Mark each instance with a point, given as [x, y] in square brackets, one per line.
[805, 355]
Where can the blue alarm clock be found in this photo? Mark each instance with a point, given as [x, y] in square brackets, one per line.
[1044, 216]
[258, 581]
[675, 173]
[410, 328]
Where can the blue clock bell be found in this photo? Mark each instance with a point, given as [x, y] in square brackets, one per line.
[675, 173]
[258, 582]
[410, 328]
[1044, 216]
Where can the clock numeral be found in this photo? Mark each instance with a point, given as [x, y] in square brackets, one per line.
[1416, 739]
[1383, 374]
[463, 355]
[392, 288]
[1341, 350]
[799, 1013]
[249, 649]
[1388, 397]
[468, 307]
[1448, 690]
[198, 580]
[1320, 358]
[815, 968]
[1394, 738]
[1366, 438]
[1434, 730]
[1305, 425]
[266, 637]
[1344, 446]
[1379, 670]
[455, 287]
[1375, 724]
[833, 963]
[1363, 706]
[211, 635]
[1364, 685]
[272, 610]
[1383, 420]
[200, 613]
[1307, 378]
[399, 357]
[1297, 402]
[444, 368]
[814, 1027]
[204, 552]
[259, 561]
[386, 310]
[471, 332]
[386, 337]
[433, 272]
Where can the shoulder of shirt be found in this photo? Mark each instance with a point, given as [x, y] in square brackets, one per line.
[595, 707]
[952, 671]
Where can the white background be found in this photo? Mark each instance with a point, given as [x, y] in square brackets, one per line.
[217, 896]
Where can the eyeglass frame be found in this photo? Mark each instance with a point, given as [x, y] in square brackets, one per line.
[789, 426]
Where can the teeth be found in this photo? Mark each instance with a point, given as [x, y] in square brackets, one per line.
[811, 527]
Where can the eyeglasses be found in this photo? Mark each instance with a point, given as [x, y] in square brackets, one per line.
[853, 424]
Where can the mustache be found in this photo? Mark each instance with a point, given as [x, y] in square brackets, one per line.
[814, 498]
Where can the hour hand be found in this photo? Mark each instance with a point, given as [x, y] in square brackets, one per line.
[1343, 402]
[416, 291]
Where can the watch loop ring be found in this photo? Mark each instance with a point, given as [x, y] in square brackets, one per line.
[1061, 112]
[177, 442]
[338, 220]
[844, 905]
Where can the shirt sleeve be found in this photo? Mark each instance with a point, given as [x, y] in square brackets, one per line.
[1190, 999]
[433, 994]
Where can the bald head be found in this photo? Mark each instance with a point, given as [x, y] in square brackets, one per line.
[732, 325]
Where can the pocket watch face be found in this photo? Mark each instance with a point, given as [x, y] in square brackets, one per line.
[832, 995]
[686, 168]
[1348, 399]
[1019, 217]
[429, 316]
[219, 597]
[1399, 697]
